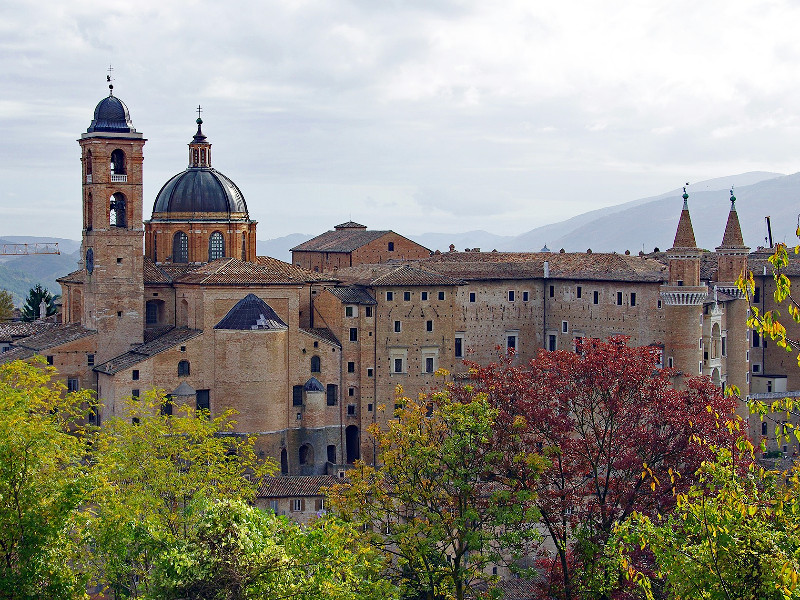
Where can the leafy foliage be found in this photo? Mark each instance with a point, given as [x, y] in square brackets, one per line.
[43, 484]
[36, 295]
[432, 506]
[6, 306]
[619, 438]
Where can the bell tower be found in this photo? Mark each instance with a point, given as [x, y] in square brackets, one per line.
[113, 232]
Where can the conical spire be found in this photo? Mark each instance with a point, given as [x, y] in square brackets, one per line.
[684, 237]
[199, 147]
[733, 232]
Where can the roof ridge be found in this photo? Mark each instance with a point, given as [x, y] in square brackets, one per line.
[222, 266]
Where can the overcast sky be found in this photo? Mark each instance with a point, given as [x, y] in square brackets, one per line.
[417, 115]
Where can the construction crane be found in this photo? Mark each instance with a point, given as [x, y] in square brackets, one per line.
[25, 249]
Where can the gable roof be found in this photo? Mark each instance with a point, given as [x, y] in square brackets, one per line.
[251, 313]
[142, 352]
[233, 271]
[344, 239]
[297, 486]
[394, 274]
[51, 337]
[323, 334]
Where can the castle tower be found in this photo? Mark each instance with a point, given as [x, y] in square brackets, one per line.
[113, 296]
[683, 297]
[731, 265]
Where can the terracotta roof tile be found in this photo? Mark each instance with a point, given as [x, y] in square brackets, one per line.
[232, 271]
[394, 274]
[51, 337]
[322, 333]
[298, 486]
[289, 269]
[169, 340]
[352, 294]
[78, 276]
[340, 240]
[20, 329]
[153, 273]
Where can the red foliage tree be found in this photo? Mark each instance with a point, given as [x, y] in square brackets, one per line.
[619, 438]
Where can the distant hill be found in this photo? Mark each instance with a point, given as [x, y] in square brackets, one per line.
[21, 273]
[279, 247]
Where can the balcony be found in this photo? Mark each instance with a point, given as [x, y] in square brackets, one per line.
[118, 178]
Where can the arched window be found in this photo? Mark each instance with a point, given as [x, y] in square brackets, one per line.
[183, 313]
[118, 163]
[284, 462]
[89, 211]
[87, 166]
[180, 248]
[353, 452]
[183, 368]
[244, 247]
[216, 246]
[315, 364]
[116, 210]
[306, 454]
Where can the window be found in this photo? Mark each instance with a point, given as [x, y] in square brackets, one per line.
[756, 368]
[700, 367]
[183, 368]
[73, 384]
[354, 334]
[367, 311]
[398, 365]
[135, 394]
[552, 291]
[764, 428]
[756, 339]
[316, 364]
[389, 296]
[423, 295]
[369, 407]
[116, 210]
[525, 296]
[90, 360]
[633, 298]
[756, 295]
[216, 246]
[332, 394]
[441, 295]
[619, 298]
[659, 304]
[406, 296]
[578, 292]
[273, 506]
[117, 165]
[50, 359]
[390, 246]
[511, 342]
[670, 362]
[135, 375]
[351, 367]
[429, 364]
[429, 325]
[332, 453]
[297, 504]
[203, 399]
[724, 346]
[166, 406]
[459, 347]
[351, 392]
[348, 311]
[564, 326]
[306, 456]
[680, 282]
[472, 296]
[397, 326]
[369, 372]
[297, 395]
[551, 342]
[596, 297]
[119, 261]
[180, 248]
[510, 295]
[351, 410]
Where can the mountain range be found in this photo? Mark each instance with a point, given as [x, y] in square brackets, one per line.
[643, 224]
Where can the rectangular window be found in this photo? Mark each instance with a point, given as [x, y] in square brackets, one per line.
[552, 291]
[756, 368]
[472, 296]
[441, 295]
[348, 311]
[429, 364]
[135, 375]
[756, 295]
[351, 392]
[73, 384]
[204, 399]
[564, 326]
[390, 246]
[297, 395]
[351, 410]
[551, 342]
[511, 342]
[579, 292]
[369, 407]
[354, 334]
[633, 298]
[297, 504]
[756, 339]
[670, 362]
[700, 367]
[619, 298]
[459, 347]
[423, 296]
[369, 372]
[596, 297]
[398, 365]
[389, 296]
[407, 296]
[511, 295]
[50, 359]
[428, 325]
[367, 311]
[659, 304]
[351, 367]
[332, 394]
[578, 343]
[135, 394]
[724, 346]
[397, 326]
[273, 506]
[525, 296]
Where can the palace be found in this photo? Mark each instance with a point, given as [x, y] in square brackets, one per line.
[311, 353]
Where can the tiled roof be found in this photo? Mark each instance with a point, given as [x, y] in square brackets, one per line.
[518, 589]
[20, 329]
[232, 271]
[758, 260]
[175, 270]
[684, 236]
[16, 353]
[153, 273]
[144, 351]
[299, 486]
[313, 385]
[341, 240]
[530, 265]
[324, 334]
[251, 313]
[394, 274]
[78, 276]
[51, 337]
[350, 225]
[352, 294]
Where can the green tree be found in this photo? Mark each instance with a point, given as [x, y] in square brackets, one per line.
[6, 306]
[431, 506]
[238, 552]
[44, 482]
[36, 295]
[156, 475]
[735, 535]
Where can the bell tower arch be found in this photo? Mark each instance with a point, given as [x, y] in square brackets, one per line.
[113, 230]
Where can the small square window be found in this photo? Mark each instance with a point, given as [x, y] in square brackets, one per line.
[564, 326]
[389, 296]
[525, 296]
[348, 311]
[441, 295]
[351, 367]
[472, 296]
[369, 372]
[397, 326]
[406, 296]
[367, 311]
[135, 375]
[354, 334]
[351, 410]
[90, 360]
[511, 295]
[428, 325]
[119, 261]
[183, 348]
[423, 295]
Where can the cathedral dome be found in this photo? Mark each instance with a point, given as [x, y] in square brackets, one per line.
[111, 115]
[200, 190]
